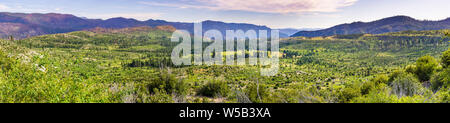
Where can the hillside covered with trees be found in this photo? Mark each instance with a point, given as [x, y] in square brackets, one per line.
[133, 65]
[24, 25]
[385, 25]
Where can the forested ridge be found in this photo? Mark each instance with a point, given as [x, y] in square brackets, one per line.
[385, 25]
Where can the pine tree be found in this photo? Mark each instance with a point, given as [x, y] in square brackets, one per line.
[11, 38]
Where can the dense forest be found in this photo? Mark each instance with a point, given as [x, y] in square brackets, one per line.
[133, 66]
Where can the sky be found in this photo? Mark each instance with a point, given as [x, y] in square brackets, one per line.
[272, 13]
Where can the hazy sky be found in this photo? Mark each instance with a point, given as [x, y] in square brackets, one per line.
[272, 13]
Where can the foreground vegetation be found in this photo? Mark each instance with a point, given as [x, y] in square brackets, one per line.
[133, 66]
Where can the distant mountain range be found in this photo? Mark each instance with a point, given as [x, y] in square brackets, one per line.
[391, 24]
[21, 25]
[291, 31]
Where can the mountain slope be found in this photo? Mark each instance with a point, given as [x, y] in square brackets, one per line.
[391, 24]
[291, 31]
[21, 25]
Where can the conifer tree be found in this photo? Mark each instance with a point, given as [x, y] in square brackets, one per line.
[11, 38]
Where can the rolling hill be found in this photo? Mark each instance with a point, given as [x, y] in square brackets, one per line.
[391, 24]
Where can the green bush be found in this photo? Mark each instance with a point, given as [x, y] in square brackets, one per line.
[406, 85]
[214, 89]
[257, 93]
[380, 79]
[167, 82]
[5, 62]
[411, 69]
[426, 66]
[446, 59]
[159, 96]
[441, 80]
[394, 75]
[348, 94]
[384, 96]
[367, 87]
[443, 95]
[373, 83]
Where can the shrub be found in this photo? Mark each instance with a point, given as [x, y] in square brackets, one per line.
[373, 83]
[446, 59]
[214, 89]
[383, 96]
[367, 87]
[5, 62]
[406, 85]
[257, 93]
[411, 69]
[441, 80]
[426, 66]
[348, 94]
[159, 96]
[168, 83]
[380, 79]
[395, 74]
[443, 96]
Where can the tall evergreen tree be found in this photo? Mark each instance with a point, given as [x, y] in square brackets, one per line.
[11, 38]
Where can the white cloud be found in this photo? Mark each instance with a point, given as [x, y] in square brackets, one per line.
[3, 7]
[263, 6]
[138, 16]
